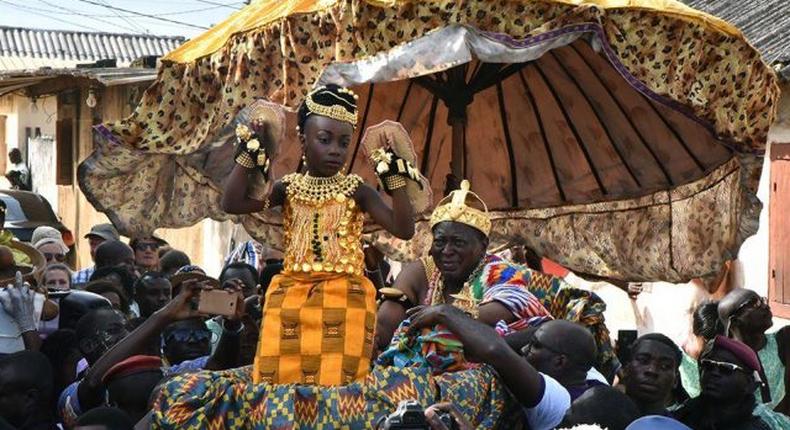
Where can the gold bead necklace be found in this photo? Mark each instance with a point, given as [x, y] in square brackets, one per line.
[313, 189]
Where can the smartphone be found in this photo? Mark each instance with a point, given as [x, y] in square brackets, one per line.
[221, 302]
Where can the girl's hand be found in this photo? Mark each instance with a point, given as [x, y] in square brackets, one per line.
[251, 147]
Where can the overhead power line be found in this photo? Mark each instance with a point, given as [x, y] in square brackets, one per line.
[67, 11]
[64, 21]
[220, 4]
[158, 18]
[81, 14]
[127, 20]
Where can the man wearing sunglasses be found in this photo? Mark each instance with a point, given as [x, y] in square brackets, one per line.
[53, 249]
[729, 375]
[186, 340]
[746, 316]
[146, 255]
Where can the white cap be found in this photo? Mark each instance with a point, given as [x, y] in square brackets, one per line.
[48, 240]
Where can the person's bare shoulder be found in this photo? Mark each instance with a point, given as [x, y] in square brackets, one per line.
[413, 281]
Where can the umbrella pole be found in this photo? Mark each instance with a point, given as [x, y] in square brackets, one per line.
[454, 92]
[457, 160]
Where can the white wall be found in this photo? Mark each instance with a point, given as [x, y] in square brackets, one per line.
[42, 162]
[216, 239]
[19, 115]
[754, 251]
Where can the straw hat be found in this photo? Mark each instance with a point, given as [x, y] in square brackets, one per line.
[31, 273]
[37, 262]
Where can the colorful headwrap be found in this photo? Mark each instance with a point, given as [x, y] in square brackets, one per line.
[331, 101]
[456, 210]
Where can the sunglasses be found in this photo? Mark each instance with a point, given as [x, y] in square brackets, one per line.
[187, 336]
[724, 368]
[144, 246]
[49, 256]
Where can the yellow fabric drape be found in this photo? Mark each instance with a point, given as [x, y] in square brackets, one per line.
[264, 12]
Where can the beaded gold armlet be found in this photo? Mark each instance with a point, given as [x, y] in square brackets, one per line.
[250, 154]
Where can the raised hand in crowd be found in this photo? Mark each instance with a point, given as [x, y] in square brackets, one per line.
[226, 355]
[184, 306]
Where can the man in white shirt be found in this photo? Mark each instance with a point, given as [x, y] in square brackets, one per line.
[544, 400]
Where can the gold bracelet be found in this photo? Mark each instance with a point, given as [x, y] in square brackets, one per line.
[245, 160]
[394, 182]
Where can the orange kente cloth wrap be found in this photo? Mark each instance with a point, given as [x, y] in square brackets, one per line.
[319, 314]
[317, 329]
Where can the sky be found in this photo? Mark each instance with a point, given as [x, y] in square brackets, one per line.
[185, 16]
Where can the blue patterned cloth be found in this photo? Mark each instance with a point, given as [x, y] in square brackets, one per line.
[83, 276]
[229, 400]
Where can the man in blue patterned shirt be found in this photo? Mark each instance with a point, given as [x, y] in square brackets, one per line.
[99, 234]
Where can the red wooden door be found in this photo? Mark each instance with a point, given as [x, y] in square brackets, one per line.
[779, 231]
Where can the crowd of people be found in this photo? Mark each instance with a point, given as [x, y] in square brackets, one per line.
[131, 324]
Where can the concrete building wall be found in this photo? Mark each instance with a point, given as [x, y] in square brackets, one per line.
[21, 115]
[754, 252]
[42, 159]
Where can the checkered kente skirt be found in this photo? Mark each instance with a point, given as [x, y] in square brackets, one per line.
[317, 329]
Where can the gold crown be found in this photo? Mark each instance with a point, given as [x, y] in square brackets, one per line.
[456, 210]
[336, 111]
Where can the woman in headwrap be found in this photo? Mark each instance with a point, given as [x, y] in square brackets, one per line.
[319, 313]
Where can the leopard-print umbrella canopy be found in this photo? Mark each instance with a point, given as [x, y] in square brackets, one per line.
[620, 138]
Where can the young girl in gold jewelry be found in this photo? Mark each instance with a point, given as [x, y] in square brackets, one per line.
[319, 313]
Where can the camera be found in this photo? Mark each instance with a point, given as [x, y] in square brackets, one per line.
[409, 415]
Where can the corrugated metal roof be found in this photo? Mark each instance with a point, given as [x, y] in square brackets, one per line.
[110, 76]
[766, 23]
[28, 47]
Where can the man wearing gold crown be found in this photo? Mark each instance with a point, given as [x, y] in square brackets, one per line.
[497, 292]
[460, 272]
